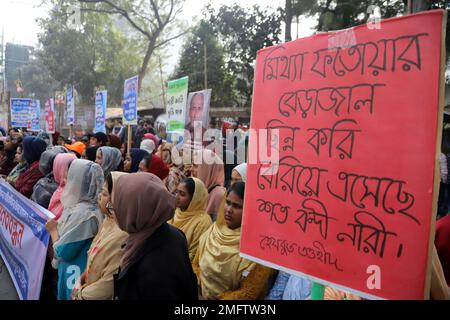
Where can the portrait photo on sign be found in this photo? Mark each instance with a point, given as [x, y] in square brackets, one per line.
[197, 109]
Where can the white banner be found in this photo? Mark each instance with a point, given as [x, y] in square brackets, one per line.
[23, 240]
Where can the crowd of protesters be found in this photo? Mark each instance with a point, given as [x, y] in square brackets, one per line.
[138, 225]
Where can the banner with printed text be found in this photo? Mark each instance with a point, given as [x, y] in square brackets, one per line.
[34, 123]
[70, 107]
[49, 113]
[100, 110]
[177, 91]
[130, 101]
[20, 112]
[23, 240]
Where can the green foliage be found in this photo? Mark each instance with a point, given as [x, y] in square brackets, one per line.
[192, 64]
[98, 55]
[37, 81]
[341, 14]
[243, 32]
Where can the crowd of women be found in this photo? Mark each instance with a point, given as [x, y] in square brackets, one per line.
[135, 225]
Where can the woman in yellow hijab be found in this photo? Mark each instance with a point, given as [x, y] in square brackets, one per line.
[221, 273]
[190, 215]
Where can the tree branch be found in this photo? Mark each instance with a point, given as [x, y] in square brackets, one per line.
[155, 10]
[170, 39]
[172, 5]
[122, 12]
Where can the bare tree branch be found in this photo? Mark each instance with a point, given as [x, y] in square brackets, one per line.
[172, 5]
[156, 11]
[122, 12]
[99, 11]
[172, 38]
[159, 22]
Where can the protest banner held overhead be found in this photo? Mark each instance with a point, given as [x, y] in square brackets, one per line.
[20, 112]
[100, 110]
[198, 109]
[23, 240]
[70, 111]
[347, 204]
[60, 98]
[177, 91]
[49, 112]
[130, 99]
[35, 116]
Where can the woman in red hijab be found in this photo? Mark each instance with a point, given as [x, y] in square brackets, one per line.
[154, 164]
[442, 242]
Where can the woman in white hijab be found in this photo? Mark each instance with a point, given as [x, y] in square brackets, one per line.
[109, 159]
[73, 233]
[239, 173]
[148, 145]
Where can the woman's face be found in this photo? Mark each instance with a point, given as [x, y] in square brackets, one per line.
[165, 154]
[233, 211]
[18, 156]
[103, 198]
[9, 146]
[235, 177]
[143, 166]
[94, 142]
[99, 158]
[194, 170]
[183, 197]
[60, 141]
[127, 164]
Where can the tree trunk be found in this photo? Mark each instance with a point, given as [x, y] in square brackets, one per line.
[418, 5]
[288, 21]
[148, 54]
[320, 26]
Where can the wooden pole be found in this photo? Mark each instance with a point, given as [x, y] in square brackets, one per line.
[205, 58]
[51, 139]
[437, 175]
[162, 84]
[8, 99]
[129, 141]
[417, 5]
[61, 116]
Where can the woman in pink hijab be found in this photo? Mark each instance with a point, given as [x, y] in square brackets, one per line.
[209, 168]
[60, 169]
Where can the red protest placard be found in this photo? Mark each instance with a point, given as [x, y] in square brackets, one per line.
[49, 116]
[349, 201]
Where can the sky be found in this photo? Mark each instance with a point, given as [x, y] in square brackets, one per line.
[18, 20]
[17, 17]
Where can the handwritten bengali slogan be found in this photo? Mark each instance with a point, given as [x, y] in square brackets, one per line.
[355, 115]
